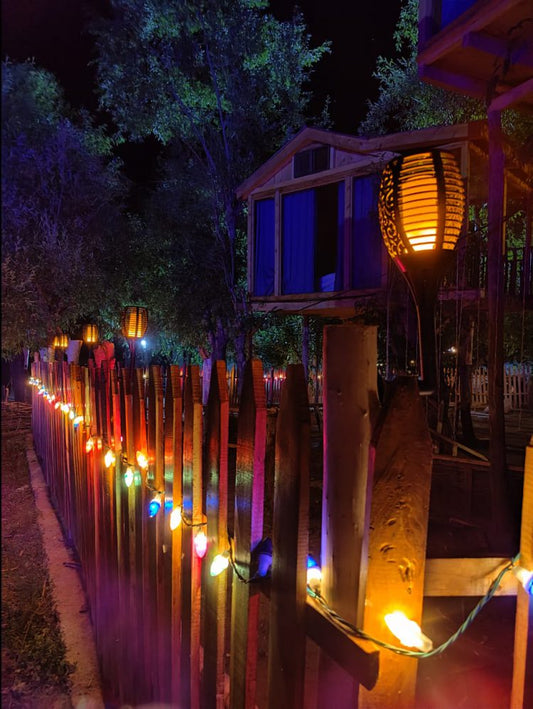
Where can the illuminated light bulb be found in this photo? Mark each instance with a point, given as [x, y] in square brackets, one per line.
[525, 577]
[407, 631]
[57, 405]
[77, 420]
[155, 505]
[142, 460]
[175, 518]
[219, 564]
[41, 391]
[89, 445]
[65, 408]
[109, 459]
[314, 574]
[200, 544]
[99, 444]
[129, 476]
[72, 414]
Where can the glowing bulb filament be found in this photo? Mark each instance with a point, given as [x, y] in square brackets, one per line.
[200, 544]
[407, 631]
[175, 518]
[219, 564]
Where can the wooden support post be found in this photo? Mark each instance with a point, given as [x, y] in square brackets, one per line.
[216, 476]
[522, 688]
[350, 403]
[248, 526]
[397, 540]
[286, 657]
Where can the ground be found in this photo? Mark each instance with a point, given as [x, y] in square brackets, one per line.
[34, 669]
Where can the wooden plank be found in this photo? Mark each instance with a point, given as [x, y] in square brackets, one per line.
[350, 403]
[398, 533]
[522, 689]
[192, 510]
[216, 481]
[248, 530]
[173, 469]
[357, 658]
[467, 577]
[286, 660]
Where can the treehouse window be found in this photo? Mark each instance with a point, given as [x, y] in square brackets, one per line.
[367, 244]
[312, 233]
[264, 247]
[310, 161]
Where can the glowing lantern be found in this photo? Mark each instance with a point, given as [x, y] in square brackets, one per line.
[90, 334]
[407, 631]
[421, 210]
[134, 322]
[60, 341]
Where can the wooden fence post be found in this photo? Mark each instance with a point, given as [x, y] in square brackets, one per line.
[216, 480]
[173, 470]
[397, 540]
[290, 543]
[522, 687]
[350, 404]
[248, 530]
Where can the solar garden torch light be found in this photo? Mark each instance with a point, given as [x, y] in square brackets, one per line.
[134, 324]
[90, 335]
[421, 210]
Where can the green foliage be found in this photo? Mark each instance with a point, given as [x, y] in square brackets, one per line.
[61, 195]
[221, 84]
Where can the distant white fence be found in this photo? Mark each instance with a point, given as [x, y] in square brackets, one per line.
[516, 385]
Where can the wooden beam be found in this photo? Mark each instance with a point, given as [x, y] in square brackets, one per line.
[467, 577]
[449, 79]
[517, 93]
[497, 47]
[359, 658]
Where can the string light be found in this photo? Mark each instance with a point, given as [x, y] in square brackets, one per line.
[109, 458]
[407, 631]
[200, 544]
[175, 518]
[142, 460]
[220, 563]
[155, 505]
[525, 577]
[314, 574]
[89, 445]
[77, 420]
[129, 476]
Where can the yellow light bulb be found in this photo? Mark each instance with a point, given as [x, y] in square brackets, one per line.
[142, 460]
[109, 459]
[219, 564]
[175, 518]
[407, 631]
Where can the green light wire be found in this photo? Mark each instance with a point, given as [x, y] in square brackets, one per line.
[346, 625]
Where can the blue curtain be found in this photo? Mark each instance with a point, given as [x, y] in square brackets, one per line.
[298, 243]
[264, 247]
[367, 244]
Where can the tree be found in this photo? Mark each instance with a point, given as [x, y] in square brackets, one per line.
[61, 196]
[224, 83]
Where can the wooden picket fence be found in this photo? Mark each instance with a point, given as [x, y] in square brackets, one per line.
[165, 629]
[516, 383]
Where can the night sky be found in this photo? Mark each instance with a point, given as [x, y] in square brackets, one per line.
[52, 31]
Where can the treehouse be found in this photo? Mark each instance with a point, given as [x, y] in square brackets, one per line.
[314, 240]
